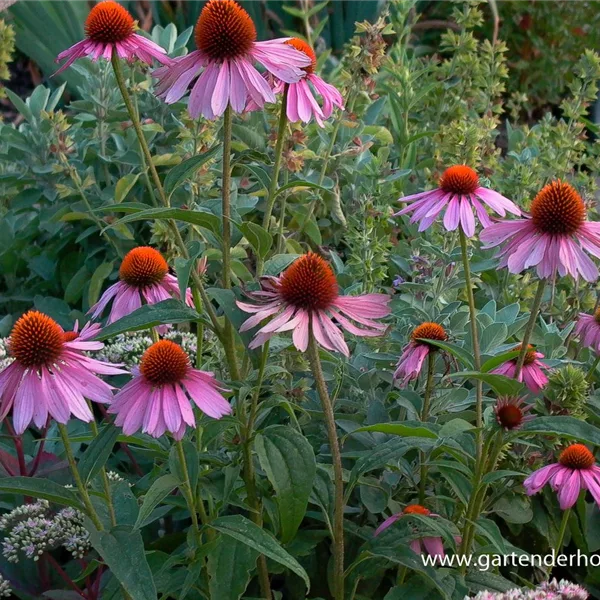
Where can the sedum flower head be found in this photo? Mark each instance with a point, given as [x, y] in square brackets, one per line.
[549, 590]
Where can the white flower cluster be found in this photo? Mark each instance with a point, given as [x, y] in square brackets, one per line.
[127, 348]
[550, 590]
[5, 590]
[114, 477]
[31, 530]
[5, 359]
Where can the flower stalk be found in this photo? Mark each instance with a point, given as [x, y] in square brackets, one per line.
[338, 513]
[424, 418]
[535, 309]
[186, 486]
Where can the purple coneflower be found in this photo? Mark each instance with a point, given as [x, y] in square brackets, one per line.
[411, 362]
[512, 412]
[50, 375]
[224, 64]
[306, 297]
[155, 400]
[575, 470]
[459, 194]
[531, 374]
[110, 28]
[588, 330]
[143, 278]
[554, 238]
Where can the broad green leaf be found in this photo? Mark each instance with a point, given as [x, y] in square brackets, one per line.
[289, 462]
[40, 488]
[177, 175]
[230, 564]
[280, 262]
[158, 491]
[122, 549]
[460, 353]
[495, 475]
[245, 531]
[260, 239]
[568, 427]
[496, 361]
[398, 429]
[199, 217]
[504, 386]
[124, 186]
[97, 453]
[97, 281]
[150, 315]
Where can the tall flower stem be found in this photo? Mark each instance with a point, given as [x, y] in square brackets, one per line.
[277, 161]
[328, 152]
[338, 513]
[249, 475]
[475, 340]
[226, 334]
[85, 497]
[186, 487]
[424, 418]
[118, 70]
[561, 534]
[535, 309]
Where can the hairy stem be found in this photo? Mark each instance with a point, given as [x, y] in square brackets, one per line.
[338, 514]
[424, 419]
[186, 487]
[535, 309]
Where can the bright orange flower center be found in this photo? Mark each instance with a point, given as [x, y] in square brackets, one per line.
[108, 22]
[309, 283]
[509, 415]
[304, 47]
[143, 266]
[460, 180]
[576, 456]
[429, 331]
[224, 30]
[597, 316]
[36, 340]
[416, 509]
[529, 355]
[558, 209]
[165, 362]
[69, 336]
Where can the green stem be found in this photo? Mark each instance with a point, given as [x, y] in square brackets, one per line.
[592, 370]
[561, 533]
[277, 162]
[334, 134]
[118, 70]
[535, 309]
[85, 497]
[338, 513]
[424, 419]
[249, 475]
[475, 340]
[186, 488]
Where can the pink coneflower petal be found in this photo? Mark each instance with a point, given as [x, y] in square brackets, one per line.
[157, 399]
[306, 295]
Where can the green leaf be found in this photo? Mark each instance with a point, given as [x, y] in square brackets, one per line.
[460, 353]
[40, 488]
[289, 462]
[398, 429]
[495, 475]
[97, 281]
[124, 186]
[229, 566]
[260, 239]
[199, 217]
[299, 184]
[504, 386]
[123, 551]
[177, 175]
[567, 427]
[97, 453]
[280, 262]
[245, 531]
[158, 491]
[183, 266]
[496, 361]
[150, 315]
